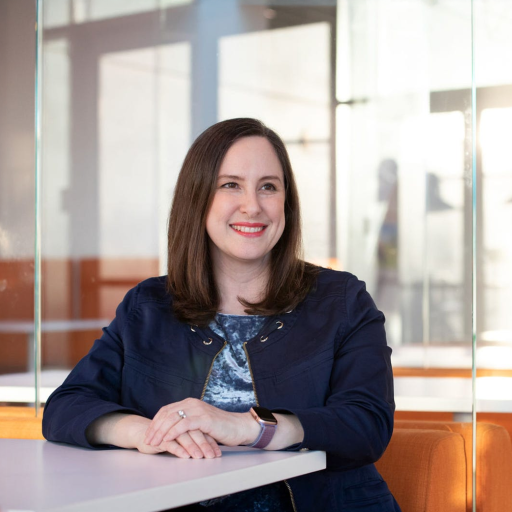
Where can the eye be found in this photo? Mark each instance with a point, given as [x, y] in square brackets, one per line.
[230, 184]
[269, 186]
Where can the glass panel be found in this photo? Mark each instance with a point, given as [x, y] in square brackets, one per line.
[17, 62]
[496, 217]
[116, 114]
[404, 160]
[404, 191]
[127, 86]
[493, 43]
[140, 151]
[379, 125]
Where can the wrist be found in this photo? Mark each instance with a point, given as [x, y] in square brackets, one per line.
[267, 423]
[133, 429]
[252, 429]
[129, 430]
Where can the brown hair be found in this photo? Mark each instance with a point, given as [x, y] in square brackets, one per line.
[189, 266]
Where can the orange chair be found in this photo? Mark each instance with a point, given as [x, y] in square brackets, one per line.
[426, 470]
[428, 467]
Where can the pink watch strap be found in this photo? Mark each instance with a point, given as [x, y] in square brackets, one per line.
[266, 434]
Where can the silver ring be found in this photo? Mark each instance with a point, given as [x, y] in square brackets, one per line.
[182, 414]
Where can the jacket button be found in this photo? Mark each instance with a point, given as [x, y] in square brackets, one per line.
[262, 339]
[209, 342]
[279, 324]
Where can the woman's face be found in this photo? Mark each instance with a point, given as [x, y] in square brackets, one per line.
[246, 218]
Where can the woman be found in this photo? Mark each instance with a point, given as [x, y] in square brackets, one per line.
[241, 323]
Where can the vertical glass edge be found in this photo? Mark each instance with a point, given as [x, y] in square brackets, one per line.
[37, 238]
[474, 283]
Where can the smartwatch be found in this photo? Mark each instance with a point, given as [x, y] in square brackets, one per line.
[268, 423]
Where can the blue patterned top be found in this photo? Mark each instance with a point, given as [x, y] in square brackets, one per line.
[230, 388]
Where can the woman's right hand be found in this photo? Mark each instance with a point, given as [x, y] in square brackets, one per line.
[129, 431]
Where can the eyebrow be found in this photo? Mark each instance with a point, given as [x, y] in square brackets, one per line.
[239, 178]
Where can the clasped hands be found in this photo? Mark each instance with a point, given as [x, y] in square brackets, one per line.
[197, 435]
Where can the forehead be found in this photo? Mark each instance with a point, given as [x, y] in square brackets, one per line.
[251, 154]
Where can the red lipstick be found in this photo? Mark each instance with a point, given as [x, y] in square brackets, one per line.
[249, 229]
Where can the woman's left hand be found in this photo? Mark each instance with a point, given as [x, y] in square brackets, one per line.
[228, 428]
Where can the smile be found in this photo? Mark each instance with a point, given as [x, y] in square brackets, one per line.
[249, 230]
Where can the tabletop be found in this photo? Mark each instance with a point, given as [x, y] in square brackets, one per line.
[40, 476]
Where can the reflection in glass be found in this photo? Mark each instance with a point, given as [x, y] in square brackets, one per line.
[497, 198]
[407, 234]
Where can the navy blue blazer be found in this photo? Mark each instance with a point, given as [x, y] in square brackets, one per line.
[326, 361]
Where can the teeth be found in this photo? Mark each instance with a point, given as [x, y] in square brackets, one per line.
[246, 229]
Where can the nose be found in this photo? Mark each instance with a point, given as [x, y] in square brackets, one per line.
[250, 204]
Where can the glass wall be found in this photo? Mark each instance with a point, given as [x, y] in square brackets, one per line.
[493, 203]
[404, 109]
[125, 92]
[17, 62]
[395, 114]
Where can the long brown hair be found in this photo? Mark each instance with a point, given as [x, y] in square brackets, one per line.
[189, 265]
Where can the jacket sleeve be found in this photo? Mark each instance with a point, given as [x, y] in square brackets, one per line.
[356, 423]
[93, 388]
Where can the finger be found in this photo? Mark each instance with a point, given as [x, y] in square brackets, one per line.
[215, 447]
[176, 449]
[187, 442]
[154, 427]
[200, 439]
[161, 428]
[183, 426]
[164, 414]
[144, 448]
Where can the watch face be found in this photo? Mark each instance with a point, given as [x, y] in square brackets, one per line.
[265, 415]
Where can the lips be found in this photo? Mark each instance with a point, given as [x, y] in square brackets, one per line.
[249, 229]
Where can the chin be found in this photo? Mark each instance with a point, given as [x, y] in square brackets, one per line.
[250, 257]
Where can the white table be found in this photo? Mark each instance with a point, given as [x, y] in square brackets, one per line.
[39, 476]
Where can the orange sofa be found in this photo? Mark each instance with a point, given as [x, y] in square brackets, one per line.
[428, 467]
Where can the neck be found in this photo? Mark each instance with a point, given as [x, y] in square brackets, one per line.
[238, 279]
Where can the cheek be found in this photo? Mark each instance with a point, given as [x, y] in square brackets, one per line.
[279, 219]
[211, 221]
[215, 213]
[219, 215]
[279, 213]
